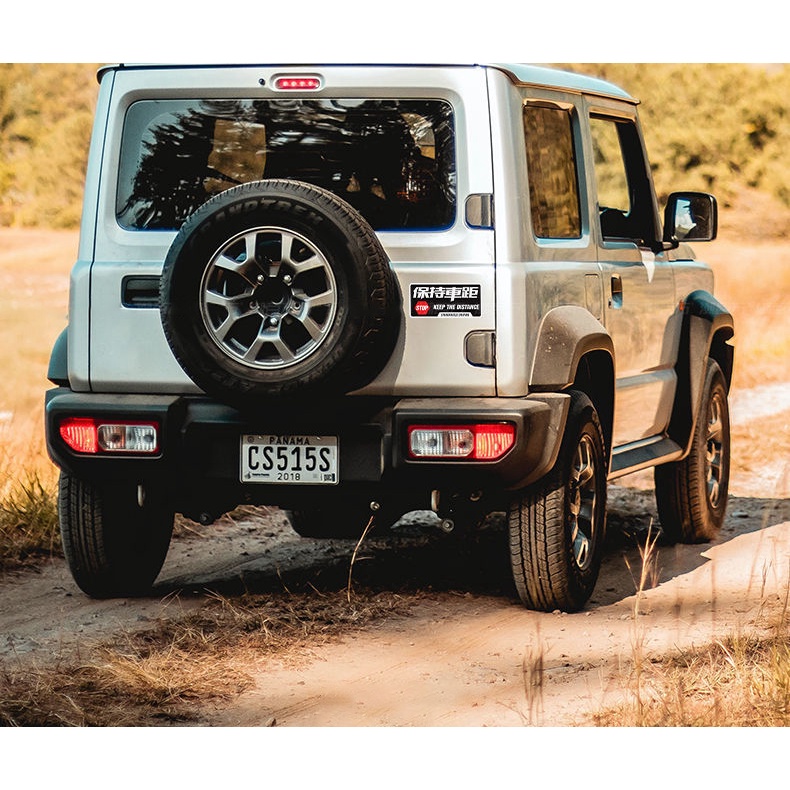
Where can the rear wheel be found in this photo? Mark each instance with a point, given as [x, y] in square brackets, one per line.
[557, 526]
[115, 536]
[692, 494]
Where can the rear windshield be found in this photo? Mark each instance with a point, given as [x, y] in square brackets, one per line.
[393, 160]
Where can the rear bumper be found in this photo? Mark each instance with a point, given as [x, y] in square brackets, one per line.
[198, 459]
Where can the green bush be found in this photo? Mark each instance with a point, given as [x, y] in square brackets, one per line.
[46, 114]
[714, 127]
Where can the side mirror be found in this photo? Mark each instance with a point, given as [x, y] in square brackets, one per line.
[690, 216]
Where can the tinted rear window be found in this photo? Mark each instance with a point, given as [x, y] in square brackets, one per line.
[393, 160]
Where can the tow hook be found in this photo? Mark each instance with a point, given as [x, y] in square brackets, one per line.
[446, 525]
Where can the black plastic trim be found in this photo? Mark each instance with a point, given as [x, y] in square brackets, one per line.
[140, 291]
[200, 444]
[58, 371]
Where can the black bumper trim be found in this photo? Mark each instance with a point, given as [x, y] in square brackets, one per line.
[200, 442]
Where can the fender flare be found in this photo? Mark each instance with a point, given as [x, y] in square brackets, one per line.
[706, 328]
[58, 370]
[565, 335]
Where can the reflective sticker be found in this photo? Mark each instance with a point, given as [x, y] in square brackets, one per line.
[445, 300]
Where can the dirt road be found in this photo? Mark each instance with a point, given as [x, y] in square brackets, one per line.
[461, 654]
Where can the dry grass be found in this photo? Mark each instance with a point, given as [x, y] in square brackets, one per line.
[34, 272]
[34, 279]
[28, 522]
[741, 681]
[164, 675]
[753, 282]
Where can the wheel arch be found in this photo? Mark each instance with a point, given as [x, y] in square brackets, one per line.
[706, 332]
[595, 377]
[574, 351]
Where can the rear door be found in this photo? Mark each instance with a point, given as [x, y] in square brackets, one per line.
[176, 136]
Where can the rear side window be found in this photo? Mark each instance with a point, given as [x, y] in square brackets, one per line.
[393, 160]
[551, 164]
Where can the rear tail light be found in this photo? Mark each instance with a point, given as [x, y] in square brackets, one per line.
[89, 436]
[80, 435]
[476, 442]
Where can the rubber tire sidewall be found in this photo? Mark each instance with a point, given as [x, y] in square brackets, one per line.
[545, 572]
[684, 508]
[113, 547]
[367, 320]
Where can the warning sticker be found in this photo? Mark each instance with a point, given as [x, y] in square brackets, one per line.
[444, 300]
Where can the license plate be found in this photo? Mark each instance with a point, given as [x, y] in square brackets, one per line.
[300, 460]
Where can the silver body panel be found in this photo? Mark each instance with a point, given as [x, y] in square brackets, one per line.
[543, 274]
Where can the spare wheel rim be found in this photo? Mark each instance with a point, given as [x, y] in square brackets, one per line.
[268, 298]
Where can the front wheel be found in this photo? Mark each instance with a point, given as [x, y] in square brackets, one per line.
[115, 535]
[692, 494]
[557, 526]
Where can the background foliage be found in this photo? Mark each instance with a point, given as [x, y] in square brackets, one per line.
[717, 127]
[713, 127]
[46, 114]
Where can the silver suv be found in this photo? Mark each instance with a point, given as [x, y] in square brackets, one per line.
[345, 289]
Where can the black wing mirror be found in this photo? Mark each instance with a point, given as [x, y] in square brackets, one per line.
[690, 216]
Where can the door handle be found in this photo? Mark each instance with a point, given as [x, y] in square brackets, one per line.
[616, 301]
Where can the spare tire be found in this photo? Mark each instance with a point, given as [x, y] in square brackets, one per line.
[278, 287]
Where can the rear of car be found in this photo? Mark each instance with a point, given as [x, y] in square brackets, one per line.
[407, 158]
[291, 291]
[193, 384]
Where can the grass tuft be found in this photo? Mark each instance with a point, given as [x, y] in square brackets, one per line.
[28, 520]
[741, 681]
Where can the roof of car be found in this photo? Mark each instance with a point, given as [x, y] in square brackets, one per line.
[520, 73]
[524, 74]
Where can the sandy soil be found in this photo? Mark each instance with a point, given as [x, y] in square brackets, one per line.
[459, 657]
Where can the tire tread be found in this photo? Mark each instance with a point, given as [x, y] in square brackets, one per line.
[539, 549]
[112, 547]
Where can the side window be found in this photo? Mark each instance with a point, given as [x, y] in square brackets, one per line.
[551, 163]
[625, 203]
[609, 167]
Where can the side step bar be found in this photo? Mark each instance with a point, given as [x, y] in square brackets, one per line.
[640, 455]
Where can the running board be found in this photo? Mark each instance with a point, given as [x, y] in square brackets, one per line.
[643, 454]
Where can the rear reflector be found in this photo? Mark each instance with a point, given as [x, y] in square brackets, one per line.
[297, 82]
[87, 435]
[477, 442]
[80, 434]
